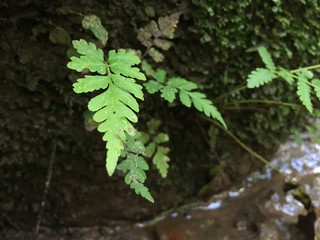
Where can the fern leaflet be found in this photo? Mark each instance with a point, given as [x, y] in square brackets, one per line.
[266, 58]
[202, 104]
[303, 91]
[91, 57]
[259, 77]
[316, 84]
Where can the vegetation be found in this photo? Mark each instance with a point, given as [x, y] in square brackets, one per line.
[211, 44]
[115, 109]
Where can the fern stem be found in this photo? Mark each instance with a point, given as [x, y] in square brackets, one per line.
[297, 77]
[236, 89]
[266, 102]
[244, 146]
[306, 68]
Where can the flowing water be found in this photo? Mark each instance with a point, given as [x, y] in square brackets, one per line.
[267, 205]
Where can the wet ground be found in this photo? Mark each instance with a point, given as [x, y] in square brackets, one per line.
[267, 205]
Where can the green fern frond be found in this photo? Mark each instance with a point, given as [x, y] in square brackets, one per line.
[266, 58]
[303, 91]
[134, 167]
[259, 77]
[115, 108]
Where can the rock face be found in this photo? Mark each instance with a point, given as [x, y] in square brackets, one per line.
[209, 47]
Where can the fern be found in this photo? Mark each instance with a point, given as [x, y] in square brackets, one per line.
[115, 108]
[302, 77]
[170, 87]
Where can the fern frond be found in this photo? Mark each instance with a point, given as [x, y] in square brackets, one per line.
[259, 77]
[187, 95]
[115, 108]
[91, 57]
[303, 91]
[134, 167]
[160, 154]
[266, 58]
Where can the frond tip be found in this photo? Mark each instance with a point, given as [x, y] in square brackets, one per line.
[134, 167]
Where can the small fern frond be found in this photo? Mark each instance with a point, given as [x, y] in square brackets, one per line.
[93, 23]
[259, 77]
[170, 87]
[134, 166]
[303, 91]
[161, 159]
[266, 58]
[154, 149]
